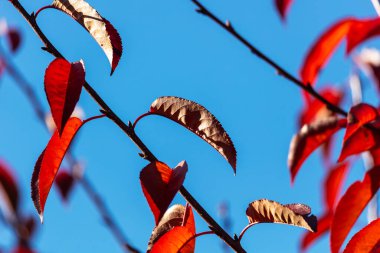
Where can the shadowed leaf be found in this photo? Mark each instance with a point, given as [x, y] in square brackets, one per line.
[64, 182]
[49, 162]
[197, 119]
[308, 139]
[351, 205]
[309, 237]
[283, 7]
[366, 240]
[9, 191]
[14, 39]
[63, 85]
[267, 211]
[160, 184]
[100, 28]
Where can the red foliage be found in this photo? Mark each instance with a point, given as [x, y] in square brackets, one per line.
[283, 7]
[366, 240]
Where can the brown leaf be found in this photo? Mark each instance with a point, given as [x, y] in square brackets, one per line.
[267, 211]
[100, 28]
[199, 120]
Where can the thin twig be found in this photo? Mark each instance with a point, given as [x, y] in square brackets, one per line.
[128, 129]
[194, 237]
[281, 71]
[37, 106]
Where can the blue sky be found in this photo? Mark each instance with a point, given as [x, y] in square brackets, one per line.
[169, 49]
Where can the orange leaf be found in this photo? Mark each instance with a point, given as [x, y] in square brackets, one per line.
[160, 184]
[366, 240]
[100, 28]
[358, 116]
[174, 238]
[283, 7]
[49, 162]
[351, 205]
[333, 184]
[354, 30]
[199, 120]
[309, 237]
[308, 139]
[63, 85]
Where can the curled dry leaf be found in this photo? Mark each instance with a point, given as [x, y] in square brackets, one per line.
[63, 85]
[309, 237]
[176, 216]
[48, 163]
[283, 7]
[9, 191]
[100, 28]
[267, 211]
[199, 120]
[308, 139]
[160, 184]
[366, 240]
[351, 205]
[65, 183]
[354, 30]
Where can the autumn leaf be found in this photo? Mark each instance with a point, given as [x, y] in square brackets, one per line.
[176, 227]
[309, 237]
[351, 205]
[308, 139]
[355, 31]
[100, 28]
[49, 162]
[160, 184]
[9, 191]
[14, 39]
[366, 240]
[198, 120]
[267, 211]
[65, 183]
[283, 7]
[63, 85]
[333, 184]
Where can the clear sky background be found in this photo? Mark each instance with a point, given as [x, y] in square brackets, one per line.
[169, 49]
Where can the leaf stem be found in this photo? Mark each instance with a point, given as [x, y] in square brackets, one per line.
[140, 117]
[128, 129]
[43, 8]
[245, 230]
[281, 71]
[194, 237]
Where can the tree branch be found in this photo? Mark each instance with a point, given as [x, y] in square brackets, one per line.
[128, 129]
[281, 71]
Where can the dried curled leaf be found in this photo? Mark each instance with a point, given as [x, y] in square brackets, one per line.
[309, 138]
[199, 120]
[100, 28]
[268, 211]
[175, 216]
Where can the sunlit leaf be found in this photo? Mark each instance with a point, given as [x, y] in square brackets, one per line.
[199, 120]
[358, 116]
[351, 205]
[100, 28]
[308, 139]
[160, 184]
[49, 162]
[333, 184]
[63, 85]
[366, 240]
[267, 211]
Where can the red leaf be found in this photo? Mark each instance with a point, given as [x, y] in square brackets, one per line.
[160, 184]
[375, 153]
[333, 184]
[64, 182]
[366, 240]
[283, 7]
[308, 139]
[354, 30]
[351, 206]
[63, 85]
[309, 237]
[317, 110]
[22, 249]
[49, 162]
[9, 189]
[174, 240]
[362, 140]
[14, 39]
[358, 116]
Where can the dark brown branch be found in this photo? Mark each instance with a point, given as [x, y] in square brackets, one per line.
[83, 181]
[281, 71]
[128, 129]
